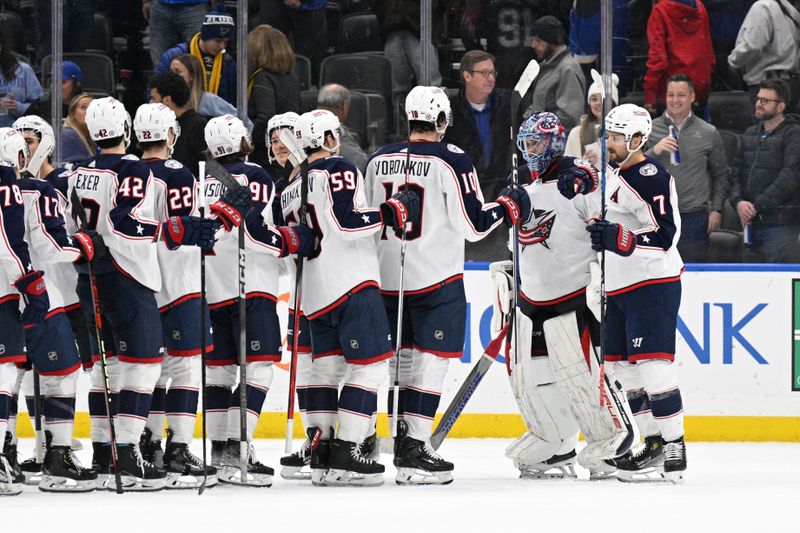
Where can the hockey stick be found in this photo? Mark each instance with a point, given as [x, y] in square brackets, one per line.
[298, 156]
[203, 326]
[78, 209]
[523, 84]
[37, 415]
[467, 389]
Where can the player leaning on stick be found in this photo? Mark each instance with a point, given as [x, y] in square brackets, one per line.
[116, 192]
[434, 311]
[557, 331]
[641, 230]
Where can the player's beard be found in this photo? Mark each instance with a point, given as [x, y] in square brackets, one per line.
[616, 157]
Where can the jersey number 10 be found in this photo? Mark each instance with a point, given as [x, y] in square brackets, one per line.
[415, 232]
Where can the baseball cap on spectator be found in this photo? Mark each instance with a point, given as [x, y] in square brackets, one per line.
[217, 24]
[549, 29]
[71, 71]
[594, 88]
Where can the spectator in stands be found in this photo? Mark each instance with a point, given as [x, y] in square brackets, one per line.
[400, 23]
[679, 41]
[582, 140]
[560, 86]
[701, 172]
[76, 144]
[336, 99]
[273, 87]
[304, 23]
[767, 47]
[219, 67]
[207, 104]
[168, 88]
[172, 22]
[765, 189]
[725, 18]
[19, 87]
[71, 76]
[76, 15]
[584, 37]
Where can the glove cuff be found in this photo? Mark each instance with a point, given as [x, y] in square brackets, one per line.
[626, 240]
[400, 211]
[511, 207]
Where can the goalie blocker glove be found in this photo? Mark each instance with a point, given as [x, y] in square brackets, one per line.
[401, 208]
[516, 203]
[188, 230]
[33, 290]
[579, 179]
[610, 236]
[232, 207]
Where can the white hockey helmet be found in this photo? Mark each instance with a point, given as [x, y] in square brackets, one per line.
[47, 140]
[279, 122]
[224, 135]
[11, 144]
[153, 122]
[630, 119]
[426, 104]
[312, 127]
[107, 118]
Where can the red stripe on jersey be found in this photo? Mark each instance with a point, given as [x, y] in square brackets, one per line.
[648, 356]
[437, 285]
[645, 282]
[445, 355]
[186, 298]
[381, 357]
[554, 301]
[9, 298]
[188, 353]
[63, 372]
[342, 299]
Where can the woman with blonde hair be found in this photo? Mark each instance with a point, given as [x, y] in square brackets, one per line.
[273, 87]
[76, 144]
[205, 103]
[583, 139]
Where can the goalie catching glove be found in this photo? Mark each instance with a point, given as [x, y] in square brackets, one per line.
[401, 208]
[33, 290]
[610, 236]
[232, 207]
[517, 204]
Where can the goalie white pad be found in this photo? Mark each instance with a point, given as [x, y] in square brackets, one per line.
[607, 429]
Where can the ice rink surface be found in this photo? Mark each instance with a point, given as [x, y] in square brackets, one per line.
[730, 487]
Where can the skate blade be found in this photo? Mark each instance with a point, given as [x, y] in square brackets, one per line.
[293, 473]
[600, 475]
[318, 477]
[557, 471]
[135, 484]
[32, 478]
[65, 484]
[346, 478]
[10, 489]
[233, 476]
[413, 476]
[676, 477]
[178, 481]
[646, 475]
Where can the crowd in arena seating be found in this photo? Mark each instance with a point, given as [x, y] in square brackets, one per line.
[721, 79]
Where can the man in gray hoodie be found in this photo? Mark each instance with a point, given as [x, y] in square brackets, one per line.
[692, 151]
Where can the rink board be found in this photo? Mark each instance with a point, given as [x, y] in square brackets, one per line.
[738, 355]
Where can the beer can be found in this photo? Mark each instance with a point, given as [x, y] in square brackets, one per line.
[674, 157]
[747, 234]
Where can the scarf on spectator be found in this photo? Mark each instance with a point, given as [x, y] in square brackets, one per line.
[216, 71]
[252, 81]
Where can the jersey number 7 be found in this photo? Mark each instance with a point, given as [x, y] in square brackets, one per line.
[415, 232]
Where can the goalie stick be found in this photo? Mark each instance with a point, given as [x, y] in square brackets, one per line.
[467, 389]
[80, 212]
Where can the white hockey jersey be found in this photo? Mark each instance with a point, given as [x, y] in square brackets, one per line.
[346, 258]
[451, 210]
[261, 250]
[642, 197]
[555, 250]
[117, 194]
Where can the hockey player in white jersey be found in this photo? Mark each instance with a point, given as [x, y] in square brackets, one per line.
[434, 311]
[178, 387]
[341, 298]
[641, 230]
[555, 382]
[116, 193]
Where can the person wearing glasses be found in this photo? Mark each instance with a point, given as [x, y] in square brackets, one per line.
[481, 122]
[560, 87]
[764, 184]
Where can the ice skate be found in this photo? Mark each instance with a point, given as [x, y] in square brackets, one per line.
[349, 467]
[10, 453]
[297, 466]
[151, 449]
[137, 474]
[674, 461]
[11, 479]
[258, 475]
[558, 466]
[217, 451]
[320, 456]
[31, 469]
[101, 463]
[185, 470]
[644, 464]
[418, 464]
[61, 472]
[370, 447]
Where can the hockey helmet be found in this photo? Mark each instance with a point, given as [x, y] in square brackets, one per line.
[12, 143]
[312, 127]
[426, 104]
[279, 122]
[107, 118]
[47, 140]
[153, 122]
[630, 119]
[224, 135]
[541, 139]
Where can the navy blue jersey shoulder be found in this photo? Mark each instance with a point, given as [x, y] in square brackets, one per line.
[333, 164]
[13, 219]
[124, 166]
[449, 153]
[59, 178]
[557, 166]
[649, 178]
[49, 214]
[7, 174]
[251, 170]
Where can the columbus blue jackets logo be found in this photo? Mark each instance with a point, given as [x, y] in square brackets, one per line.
[455, 149]
[648, 170]
[541, 227]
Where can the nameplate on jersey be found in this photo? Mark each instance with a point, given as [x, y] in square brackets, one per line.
[387, 167]
[86, 181]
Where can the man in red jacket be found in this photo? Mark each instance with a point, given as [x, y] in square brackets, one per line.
[680, 41]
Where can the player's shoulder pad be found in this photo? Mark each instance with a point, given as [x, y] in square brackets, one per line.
[256, 172]
[173, 164]
[7, 174]
[449, 153]
[130, 157]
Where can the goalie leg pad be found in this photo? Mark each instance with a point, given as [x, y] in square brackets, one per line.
[660, 381]
[577, 370]
[503, 301]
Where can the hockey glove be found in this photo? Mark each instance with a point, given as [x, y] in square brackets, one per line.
[91, 245]
[298, 240]
[188, 230]
[580, 179]
[517, 204]
[609, 236]
[33, 290]
[232, 207]
[401, 208]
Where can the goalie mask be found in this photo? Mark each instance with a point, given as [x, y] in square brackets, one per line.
[47, 141]
[153, 122]
[12, 146]
[541, 139]
[106, 118]
[224, 135]
[279, 122]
